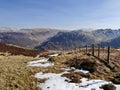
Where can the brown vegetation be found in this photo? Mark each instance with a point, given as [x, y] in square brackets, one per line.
[15, 50]
[84, 64]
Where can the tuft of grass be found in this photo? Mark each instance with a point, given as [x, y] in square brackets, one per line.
[82, 63]
[73, 76]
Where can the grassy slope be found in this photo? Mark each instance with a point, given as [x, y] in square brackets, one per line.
[16, 50]
[15, 74]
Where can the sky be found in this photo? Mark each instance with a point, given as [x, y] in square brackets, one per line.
[60, 14]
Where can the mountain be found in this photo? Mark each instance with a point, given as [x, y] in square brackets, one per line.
[54, 39]
[79, 38]
[16, 38]
[40, 35]
[26, 37]
[105, 34]
[114, 42]
[67, 40]
[7, 29]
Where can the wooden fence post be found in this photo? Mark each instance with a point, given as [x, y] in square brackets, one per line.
[79, 49]
[86, 49]
[93, 49]
[99, 51]
[108, 57]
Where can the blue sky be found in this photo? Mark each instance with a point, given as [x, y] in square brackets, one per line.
[61, 14]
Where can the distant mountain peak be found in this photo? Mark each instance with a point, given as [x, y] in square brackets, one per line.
[7, 28]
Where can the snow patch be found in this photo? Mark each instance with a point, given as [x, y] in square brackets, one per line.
[75, 70]
[89, 84]
[53, 55]
[82, 71]
[40, 63]
[117, 87]
[118, 49]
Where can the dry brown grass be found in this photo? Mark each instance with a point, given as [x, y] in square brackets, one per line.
[16, 50]
[15, 75]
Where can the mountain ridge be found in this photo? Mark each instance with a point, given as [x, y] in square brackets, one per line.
[26, 37]
[81, 39]
[55, 39]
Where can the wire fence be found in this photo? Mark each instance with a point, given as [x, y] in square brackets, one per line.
[98, 52]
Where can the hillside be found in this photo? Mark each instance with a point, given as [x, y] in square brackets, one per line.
[74, 69]
[15, 50]
[66, 40]
[26, 37]
[17, 38]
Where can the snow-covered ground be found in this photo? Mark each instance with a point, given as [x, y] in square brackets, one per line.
[56, 82]
[41, 63]
[118, 49]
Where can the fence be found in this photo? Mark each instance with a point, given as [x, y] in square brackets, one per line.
[98, 49]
